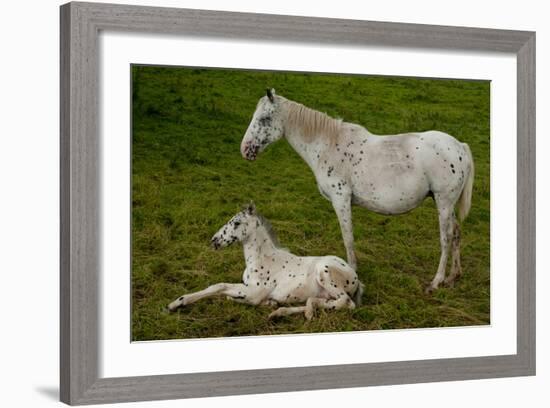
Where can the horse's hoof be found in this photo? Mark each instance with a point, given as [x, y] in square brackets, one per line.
[429, 290]
[171, 308]
[449, 283]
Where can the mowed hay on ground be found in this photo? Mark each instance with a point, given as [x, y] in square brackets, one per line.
[188, 178]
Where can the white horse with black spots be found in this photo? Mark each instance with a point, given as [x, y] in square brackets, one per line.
[274, 276]
[389, 174]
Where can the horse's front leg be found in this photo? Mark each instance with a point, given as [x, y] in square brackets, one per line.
[342, 205]
[234, 290]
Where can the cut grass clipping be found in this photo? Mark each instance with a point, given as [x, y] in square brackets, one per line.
[188, 178]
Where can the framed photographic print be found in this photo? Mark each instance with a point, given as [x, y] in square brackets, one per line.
[285, 196]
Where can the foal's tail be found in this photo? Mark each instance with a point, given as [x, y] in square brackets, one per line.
[465, 200]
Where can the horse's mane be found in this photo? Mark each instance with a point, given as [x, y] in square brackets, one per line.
[312, 123]
[269, 229]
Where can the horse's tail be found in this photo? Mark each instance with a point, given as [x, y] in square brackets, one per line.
[465, 200]
[358, 294]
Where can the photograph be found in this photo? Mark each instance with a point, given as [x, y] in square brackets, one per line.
[275, 204]
[281, 203]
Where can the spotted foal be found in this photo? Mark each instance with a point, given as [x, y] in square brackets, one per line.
[274, 276]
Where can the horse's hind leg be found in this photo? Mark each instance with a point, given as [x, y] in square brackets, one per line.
[456, 268]
[446, 223]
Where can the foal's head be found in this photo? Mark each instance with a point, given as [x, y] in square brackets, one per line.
[265, 128]
[236, 229]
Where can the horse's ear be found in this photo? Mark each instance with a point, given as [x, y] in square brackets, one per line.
[251, 208]
[270, 94]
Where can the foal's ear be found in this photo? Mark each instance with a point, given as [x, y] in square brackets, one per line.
[251, 208]
[270, 94]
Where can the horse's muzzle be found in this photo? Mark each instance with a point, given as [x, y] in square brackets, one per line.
[214, 244]
[250, 151]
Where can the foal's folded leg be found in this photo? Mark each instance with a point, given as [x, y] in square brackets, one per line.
[313, 303]
[334, 304]
[288, 310]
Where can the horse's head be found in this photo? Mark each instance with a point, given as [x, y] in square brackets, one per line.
[236, 229]
[265, 127]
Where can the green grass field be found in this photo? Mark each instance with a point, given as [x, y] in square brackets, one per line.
[188, 179]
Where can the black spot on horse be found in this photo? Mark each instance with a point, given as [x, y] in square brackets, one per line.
[265, 121]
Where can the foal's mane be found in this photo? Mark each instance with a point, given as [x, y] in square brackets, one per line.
[269, 229]
[312, 123]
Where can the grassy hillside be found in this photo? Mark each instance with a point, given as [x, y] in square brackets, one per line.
[188, 178]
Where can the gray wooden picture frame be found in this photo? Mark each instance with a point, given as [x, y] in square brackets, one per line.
[81, 24]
